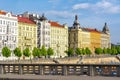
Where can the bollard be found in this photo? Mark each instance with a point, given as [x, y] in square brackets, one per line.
[20, 69]
[1, 69]
[65, 71]
[118, 71]
[41, 71]
[91, 71]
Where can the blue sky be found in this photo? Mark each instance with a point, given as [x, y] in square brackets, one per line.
[91, 13]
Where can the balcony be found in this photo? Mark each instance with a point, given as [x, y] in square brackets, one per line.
[28, 44]
[28, 38]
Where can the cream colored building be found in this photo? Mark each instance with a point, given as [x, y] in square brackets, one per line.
[80, 37]
[105, 37]
[27, 34]
[75, 35]
[85, 38]
[58, 39]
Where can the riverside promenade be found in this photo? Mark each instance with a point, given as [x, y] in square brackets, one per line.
[53, 77]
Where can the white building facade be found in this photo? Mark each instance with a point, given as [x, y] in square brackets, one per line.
[8, 31]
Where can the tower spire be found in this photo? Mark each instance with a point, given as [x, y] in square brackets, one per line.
[43, 18]
[76, 17]
[105, 28]
[76, 24]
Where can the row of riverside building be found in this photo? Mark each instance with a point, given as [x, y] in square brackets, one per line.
[32, 30]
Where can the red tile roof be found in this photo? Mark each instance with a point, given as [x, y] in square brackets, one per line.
[92, 30]
[56, 24]
[25, 20]
[3, 12]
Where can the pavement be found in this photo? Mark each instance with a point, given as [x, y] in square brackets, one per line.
[53, 77]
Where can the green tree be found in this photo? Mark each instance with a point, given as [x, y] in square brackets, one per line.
[43, 51]
[36, 52]
[83, 51]
[6, 52]
[50, 52]
[69, 52]
[109, 51]
[78, 51]
[118, 49]
[105, 51]
[87, 50]
[113, 51]
[26, 52]
[98, 51]
[17, 53]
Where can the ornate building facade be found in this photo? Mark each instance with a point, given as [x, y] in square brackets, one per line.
[105, 37]
[80, 37]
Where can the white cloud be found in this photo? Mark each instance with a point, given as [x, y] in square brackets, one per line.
[81, 6]
[103, 6]
[60, 14]
[108, 7]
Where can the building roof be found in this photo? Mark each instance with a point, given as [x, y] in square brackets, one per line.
[25, 20]
[56, 24]
[92, 30]
[2, 12]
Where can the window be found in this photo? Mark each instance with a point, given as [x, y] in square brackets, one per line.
[0, 29]
[0, 37]
[15, 24]
[3, 37]
[27, 28]
[34, 42]
[0, 21]
[34, 29]
[23, 28]
[12, 38]
[3, 22]
[13, 31]
[3, 29]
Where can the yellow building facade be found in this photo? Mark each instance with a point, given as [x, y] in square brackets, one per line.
[80, 37]
[95, 41]
[27, 34]
[85, 39]
[58, 39]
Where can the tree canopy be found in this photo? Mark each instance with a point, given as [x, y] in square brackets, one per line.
[36, 52]
[88, 51]
[69, 52]
[43, 51]
[50, 52]
[6, 52]
[78, 51]
[17, 52]
[26, 52]
[98, 51]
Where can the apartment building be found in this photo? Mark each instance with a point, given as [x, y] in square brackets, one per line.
[58, 39]
[27, 33]
[8, 31]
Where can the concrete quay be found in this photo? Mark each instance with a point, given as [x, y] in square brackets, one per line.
[53, 77]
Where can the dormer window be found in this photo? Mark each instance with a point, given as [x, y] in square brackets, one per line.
[8, 14]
